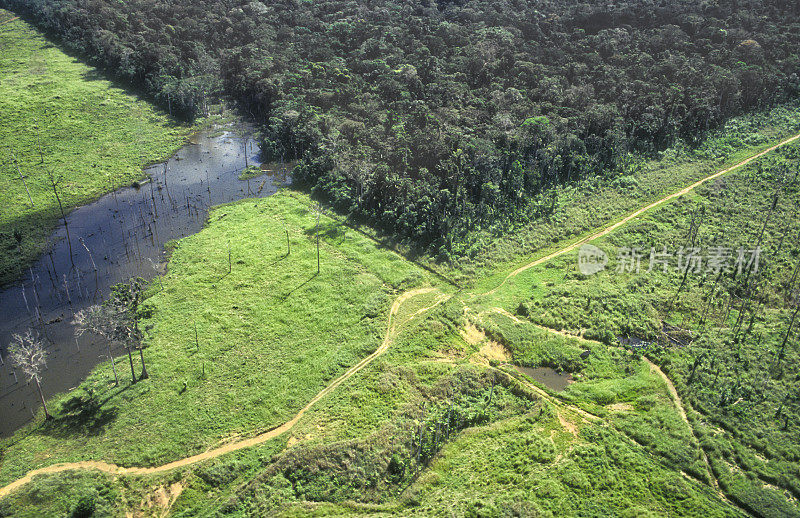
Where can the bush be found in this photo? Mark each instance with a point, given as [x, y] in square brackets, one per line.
[84, 508]
[645, 403]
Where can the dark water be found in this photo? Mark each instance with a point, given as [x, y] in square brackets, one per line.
[124, 235]
[547, 377]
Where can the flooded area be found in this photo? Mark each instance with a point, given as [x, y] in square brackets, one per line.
[119, 236]
[548, 377]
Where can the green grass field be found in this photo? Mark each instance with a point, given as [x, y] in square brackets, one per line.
[63, 117]
[271, 334]
[511, 451]
[241, 335]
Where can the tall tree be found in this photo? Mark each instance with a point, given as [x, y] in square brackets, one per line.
[116, 320]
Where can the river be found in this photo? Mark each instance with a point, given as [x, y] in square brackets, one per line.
[119, 236]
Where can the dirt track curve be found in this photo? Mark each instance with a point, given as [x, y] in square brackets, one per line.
[671, 390]
[639, 212]
[391, 333]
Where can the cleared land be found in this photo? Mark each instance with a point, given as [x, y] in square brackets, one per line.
[614, 386]
[64, 118]
[411, 405]
[271, 333]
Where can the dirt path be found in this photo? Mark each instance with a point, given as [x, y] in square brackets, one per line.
[674, 396]
[673, 393]
[676, 400]
[639, 212]
[391, 333]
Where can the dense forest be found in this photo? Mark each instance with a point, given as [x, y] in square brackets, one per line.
[434, 119]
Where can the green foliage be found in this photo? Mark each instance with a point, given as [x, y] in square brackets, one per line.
[724, 339]
[250, 322]
[514, 466]
[251, 172]
[444, 122]
[62, 117]
[84, 508]
[77, 494]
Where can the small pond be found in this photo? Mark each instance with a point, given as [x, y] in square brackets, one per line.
[548, 377]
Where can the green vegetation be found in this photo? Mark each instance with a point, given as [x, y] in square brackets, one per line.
[76, 494]
[430, 424]
[270, 333]
[590, 204]
[725, 339]
[438, 120]
[63, 118]
[354, 452]
[277, 298]
[251, 172]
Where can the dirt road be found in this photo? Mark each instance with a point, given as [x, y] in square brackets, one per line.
[391, 333]
[639, 212]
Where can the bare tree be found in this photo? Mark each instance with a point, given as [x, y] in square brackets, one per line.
[22, 177]
[789, 329]
[54, 184]
[27, 352]
[242, 133]
[318, 211]
[115, 320]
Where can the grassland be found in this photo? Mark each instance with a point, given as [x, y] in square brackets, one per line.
[242, 331]
[354, 453]
[358, 444]
[613, 443]
[64, 118]
[271, 333]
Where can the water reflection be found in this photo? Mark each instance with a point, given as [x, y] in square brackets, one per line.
[119, 236]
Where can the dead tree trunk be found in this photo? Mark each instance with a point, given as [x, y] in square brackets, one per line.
[63, 217]
[789, 331]
[41, 397]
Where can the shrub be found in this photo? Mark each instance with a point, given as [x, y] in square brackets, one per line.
[84, 508]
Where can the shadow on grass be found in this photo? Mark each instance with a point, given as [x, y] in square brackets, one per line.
[93, 75]
[330, 230]
[384, 241]
[279, 259]
[81, 415]
[286, 296]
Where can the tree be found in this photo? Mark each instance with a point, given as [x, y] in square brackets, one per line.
[116, 320]
[27, 352]
[318, 212]
[54, 184]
